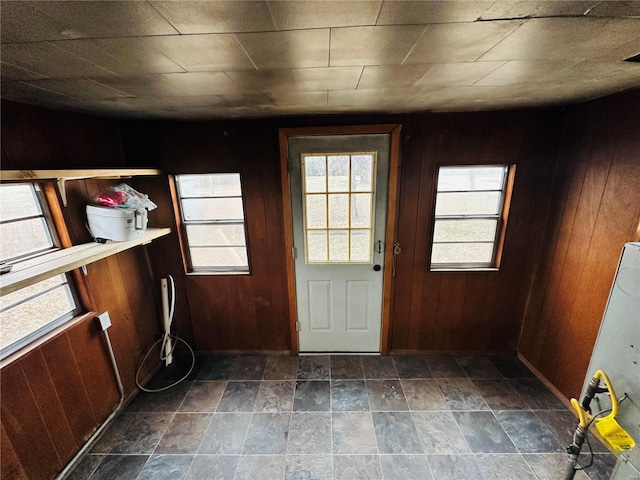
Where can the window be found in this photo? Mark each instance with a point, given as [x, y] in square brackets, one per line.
[27, 232]
[470, 216]
[213, 220]
[338, 207]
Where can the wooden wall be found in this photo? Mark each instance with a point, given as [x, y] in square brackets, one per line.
[593, 209]
[457, 311]
[39, 138]
[569, 218]
[432, 311]
[227, 312]
[53, 398]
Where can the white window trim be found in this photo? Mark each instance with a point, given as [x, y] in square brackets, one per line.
[212, 270]
[71, 291]
[500, 217]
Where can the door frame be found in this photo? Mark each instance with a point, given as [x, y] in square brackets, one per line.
[390, 233]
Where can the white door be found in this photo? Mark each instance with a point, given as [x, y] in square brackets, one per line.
[339, 206]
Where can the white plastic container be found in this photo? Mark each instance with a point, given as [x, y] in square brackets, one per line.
[118, 224]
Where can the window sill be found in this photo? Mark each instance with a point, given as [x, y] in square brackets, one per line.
[62, 261]
[216, 273]
[464, 270]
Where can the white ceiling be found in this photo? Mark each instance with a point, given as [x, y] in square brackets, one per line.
[212, 59]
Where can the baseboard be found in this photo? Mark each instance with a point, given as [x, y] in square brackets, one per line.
[242, 352]
[547, 382]
[450, 352]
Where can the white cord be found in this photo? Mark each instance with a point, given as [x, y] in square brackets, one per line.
[163, 356]
[167, 334]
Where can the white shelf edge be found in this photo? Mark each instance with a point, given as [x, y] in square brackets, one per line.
[67, 259]
[62, 176]
[74, 174]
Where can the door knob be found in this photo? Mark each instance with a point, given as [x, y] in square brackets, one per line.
[377, 268]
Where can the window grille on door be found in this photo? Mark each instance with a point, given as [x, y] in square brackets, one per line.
[338, 205]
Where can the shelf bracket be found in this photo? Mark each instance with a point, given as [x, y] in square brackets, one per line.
[62, 189]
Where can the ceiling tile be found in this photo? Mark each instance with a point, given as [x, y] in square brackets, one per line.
[124, 56]
[9, 72]
[529, 9]
[23, 92]
[389, 76]
[261, 58]
[171, 102]
[216, 52]
[217, 17]
[78, 88]
[457, 74]
[173, 84]
[387, 45]
[249, 100]
[297, 15]
[423, 12]
[292, 49]
[355, 97]
[589, 70]
[459, 42]
[21, 23]
[297, 80]
[306, 99]
[408, 97]
[616, 9]
[570, 38]
[91, 19]
[522, 71]
[263, 80]
[331, 78]
[156, 107]
[469, 96]
[372, 100]
[545, 8]
[49, 61]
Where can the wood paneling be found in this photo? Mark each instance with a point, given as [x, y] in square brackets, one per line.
[465, 311]
[430, 310]
[37, 138]
[49, 404]
[593, 209]
[570, 215]
[53, 398]
[26, 429]
[11, 466]
[229, 312]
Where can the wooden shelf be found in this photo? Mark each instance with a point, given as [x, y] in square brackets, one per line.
[61, 176]
[62, 261]
[17, 175]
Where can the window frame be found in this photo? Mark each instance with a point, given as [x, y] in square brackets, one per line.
[70, 288]
[500, 217]
[183, 224]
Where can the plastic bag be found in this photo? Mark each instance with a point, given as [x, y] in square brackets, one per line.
[123, 196]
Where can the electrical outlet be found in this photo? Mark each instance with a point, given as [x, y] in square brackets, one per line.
[104, 320]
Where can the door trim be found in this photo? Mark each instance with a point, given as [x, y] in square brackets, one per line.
[390, 234]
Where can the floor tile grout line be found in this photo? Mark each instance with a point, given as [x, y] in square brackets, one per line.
[378, 455]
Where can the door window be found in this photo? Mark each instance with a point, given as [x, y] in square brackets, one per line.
[338, 200]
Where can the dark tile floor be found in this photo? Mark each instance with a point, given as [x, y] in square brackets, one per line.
[344, 417]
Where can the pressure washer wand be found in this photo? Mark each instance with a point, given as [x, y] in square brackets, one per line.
[579, 436]
[574, 452]
[592, 390]
[608, 428]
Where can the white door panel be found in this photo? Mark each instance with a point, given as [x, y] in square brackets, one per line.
[339, 299]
